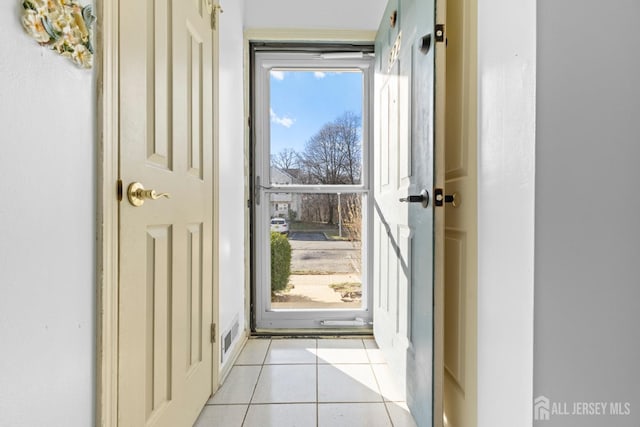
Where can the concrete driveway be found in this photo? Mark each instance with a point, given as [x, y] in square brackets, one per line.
[313, 255]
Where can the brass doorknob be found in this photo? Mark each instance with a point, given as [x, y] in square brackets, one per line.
[137, 194]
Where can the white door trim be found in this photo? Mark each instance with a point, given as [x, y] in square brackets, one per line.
[107, 217]
[506, 205]
[440, 89]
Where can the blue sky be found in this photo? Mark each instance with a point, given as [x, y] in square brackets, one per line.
[303, 101]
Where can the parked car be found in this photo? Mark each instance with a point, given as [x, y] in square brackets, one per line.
[280, 225]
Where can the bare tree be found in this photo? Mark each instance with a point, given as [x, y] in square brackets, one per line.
[347, 128]
[332, 156]
[323, 157]
[286, 159]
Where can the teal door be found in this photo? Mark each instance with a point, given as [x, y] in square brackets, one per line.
[404, 229]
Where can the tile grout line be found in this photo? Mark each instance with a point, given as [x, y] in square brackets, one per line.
[317, 401]
[318, 364]
[375, 377]
[244, 419]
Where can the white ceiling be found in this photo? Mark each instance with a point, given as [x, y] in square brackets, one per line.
[313, 14]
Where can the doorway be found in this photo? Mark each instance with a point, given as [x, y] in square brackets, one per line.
[310, 175]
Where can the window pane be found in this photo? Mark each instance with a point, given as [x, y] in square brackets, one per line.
[323, 235]
[316, 126]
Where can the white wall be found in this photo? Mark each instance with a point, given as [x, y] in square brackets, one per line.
[506, 161]
[47, 233]
[231, 166]
[587, 340]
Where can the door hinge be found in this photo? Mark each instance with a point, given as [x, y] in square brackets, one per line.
[213, 332]
[440, 32]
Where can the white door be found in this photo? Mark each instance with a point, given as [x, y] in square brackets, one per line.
[166, 144]
[404, 236]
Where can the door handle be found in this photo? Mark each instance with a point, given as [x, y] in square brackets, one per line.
[137, 194]
[423, 198]
[425, 44]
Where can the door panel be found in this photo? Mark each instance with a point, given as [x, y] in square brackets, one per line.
[195, 120]
[159, 343]
[166, 245]
[404, 238]
[455, 302]
[195, 293]
[160, 146]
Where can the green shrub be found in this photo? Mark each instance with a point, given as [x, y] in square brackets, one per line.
[280, 262]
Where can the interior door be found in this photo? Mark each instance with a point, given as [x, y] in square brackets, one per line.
[460, 296]
[404, 235]
[166, 140]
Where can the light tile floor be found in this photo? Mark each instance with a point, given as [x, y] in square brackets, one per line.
[321, 382]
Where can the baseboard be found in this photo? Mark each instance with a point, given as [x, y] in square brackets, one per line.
[235, 353]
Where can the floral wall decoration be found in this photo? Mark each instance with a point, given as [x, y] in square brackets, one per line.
[62, 25]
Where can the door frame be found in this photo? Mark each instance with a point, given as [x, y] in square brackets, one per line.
[439, 105]
[107, 263]
[274, 35]
[276, 55]
[108, 199]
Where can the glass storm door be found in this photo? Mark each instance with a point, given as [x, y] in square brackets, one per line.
[311, 186]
